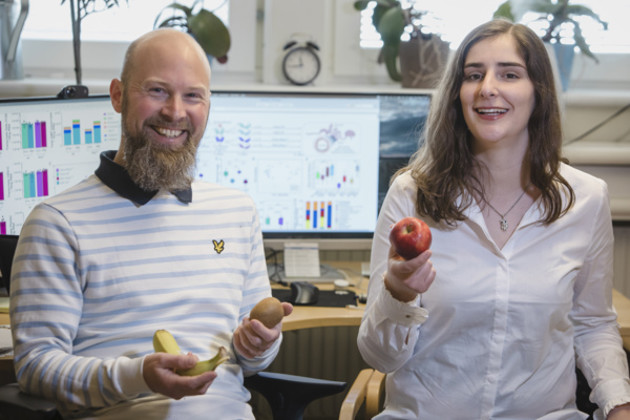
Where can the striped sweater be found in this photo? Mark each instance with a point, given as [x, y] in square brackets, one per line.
[95, 274]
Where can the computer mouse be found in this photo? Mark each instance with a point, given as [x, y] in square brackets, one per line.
[303, 293]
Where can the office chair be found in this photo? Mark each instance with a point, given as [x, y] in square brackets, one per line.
[368, 390]
[287, 395]
[8, 243]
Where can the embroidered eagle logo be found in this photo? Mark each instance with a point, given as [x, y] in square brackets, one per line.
[218, 245]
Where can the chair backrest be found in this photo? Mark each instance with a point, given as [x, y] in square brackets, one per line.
[8, 243]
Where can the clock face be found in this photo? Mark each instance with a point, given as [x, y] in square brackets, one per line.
[301, 65]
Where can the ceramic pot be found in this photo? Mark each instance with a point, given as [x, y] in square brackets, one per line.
[422, 61]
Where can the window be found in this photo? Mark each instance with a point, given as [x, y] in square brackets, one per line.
[452, 22]
[49, 20]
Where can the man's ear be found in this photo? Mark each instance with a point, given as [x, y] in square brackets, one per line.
[115, 93]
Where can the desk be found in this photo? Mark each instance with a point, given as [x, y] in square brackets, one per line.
[317, 316]
[311, 317]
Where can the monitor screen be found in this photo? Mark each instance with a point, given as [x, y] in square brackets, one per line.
[48, 145]
[316, 164]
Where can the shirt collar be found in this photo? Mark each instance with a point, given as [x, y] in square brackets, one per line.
[117, 178]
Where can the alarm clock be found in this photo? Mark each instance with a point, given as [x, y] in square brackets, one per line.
[301, 63]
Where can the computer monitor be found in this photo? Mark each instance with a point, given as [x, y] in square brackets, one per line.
[317, 164]
[48, 145]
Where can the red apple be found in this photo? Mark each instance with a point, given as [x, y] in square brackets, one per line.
[410, 237]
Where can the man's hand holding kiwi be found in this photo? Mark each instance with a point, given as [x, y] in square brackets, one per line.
[258, 332]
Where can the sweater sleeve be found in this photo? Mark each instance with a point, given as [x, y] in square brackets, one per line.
[46, 307]
[257, 287]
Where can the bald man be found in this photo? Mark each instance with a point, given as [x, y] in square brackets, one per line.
[140, 246]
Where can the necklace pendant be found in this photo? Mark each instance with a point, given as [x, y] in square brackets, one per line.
[504, 224]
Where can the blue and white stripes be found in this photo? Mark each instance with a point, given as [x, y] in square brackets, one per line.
[95, 275]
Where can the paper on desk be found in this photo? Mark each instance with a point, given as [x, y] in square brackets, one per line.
[6, 342]
[301, 259]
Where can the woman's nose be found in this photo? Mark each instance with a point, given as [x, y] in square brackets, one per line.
[488, 87]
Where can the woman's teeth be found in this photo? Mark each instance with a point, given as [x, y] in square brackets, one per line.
[491, 111]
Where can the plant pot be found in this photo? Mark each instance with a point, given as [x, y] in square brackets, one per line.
[422, 61]
[564, 58]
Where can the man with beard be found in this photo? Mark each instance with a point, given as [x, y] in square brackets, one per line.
[139, 246]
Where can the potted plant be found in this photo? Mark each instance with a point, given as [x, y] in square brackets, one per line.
[202, 24]
[421, 58]
[79, 9]
[560, 15]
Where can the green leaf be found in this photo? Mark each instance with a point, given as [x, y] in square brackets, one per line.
[579, 10]
[361, 4]
[390, 56]
[581, 42]
[504, 11]
[210, 32]
[392, 26]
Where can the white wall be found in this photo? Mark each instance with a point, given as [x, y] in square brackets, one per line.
[261, 28]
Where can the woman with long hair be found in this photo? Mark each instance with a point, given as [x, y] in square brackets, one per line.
[516, 289]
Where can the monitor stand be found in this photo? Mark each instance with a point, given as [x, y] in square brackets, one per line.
[328, 274]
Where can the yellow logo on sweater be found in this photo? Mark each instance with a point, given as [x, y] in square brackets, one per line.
[218, 246]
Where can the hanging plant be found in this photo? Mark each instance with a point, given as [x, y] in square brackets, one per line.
[206, 27]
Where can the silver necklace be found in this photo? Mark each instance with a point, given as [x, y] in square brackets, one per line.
[503, 222]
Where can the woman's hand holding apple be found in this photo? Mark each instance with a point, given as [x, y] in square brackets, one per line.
[412, 272]
[406, 278]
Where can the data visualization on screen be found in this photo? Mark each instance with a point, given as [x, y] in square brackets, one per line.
[317, 164]
[309, 162]
[47, 146]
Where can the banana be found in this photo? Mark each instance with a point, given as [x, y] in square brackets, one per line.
[206, 365]
[163, 341]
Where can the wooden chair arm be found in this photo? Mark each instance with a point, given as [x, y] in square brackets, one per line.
[356, 395]
[374, 396]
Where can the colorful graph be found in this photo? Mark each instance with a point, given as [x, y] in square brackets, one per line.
[1, 186]
[279, 221]
[36, 184]
[335, 177]
[318, 219]
[3, 228]
[72, 134]
[34, 135]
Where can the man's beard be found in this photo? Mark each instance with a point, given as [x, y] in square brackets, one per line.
[154, 167]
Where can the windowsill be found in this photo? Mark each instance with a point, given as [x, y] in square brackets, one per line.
[40, 86]
[597, 97]
[46, 87]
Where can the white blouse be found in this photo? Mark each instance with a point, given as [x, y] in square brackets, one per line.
[500, 330]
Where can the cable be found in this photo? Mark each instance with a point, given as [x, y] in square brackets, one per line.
[598, 126]
[278, 268]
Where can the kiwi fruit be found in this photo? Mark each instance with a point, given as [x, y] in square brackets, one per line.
[268, 311]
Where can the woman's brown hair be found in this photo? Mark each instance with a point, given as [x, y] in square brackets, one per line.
[444, 167]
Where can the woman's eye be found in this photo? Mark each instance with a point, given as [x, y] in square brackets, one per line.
[473, 76]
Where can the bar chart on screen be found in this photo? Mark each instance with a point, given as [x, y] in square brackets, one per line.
[46, 147]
